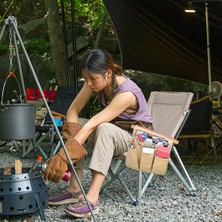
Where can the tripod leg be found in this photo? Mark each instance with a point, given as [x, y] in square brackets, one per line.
[12, 20]
[40, 207]
[3, 30]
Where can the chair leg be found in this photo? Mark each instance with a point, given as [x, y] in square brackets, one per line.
[187, 182]
[213, 150]
[31, 147]
[148, 182]
[141, 188]
[112, 177]
[41, 138]
[189, 185]
[128, 190]
[53, 151]
[114, 174]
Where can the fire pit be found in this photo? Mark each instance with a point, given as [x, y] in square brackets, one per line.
[22, 193]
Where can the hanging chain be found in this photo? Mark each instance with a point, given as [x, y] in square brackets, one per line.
[11, 49]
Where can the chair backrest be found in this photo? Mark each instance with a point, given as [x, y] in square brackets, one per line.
[200, 118]
[63, 99]
[168, 110]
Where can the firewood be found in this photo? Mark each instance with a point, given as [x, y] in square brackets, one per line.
[18, 167]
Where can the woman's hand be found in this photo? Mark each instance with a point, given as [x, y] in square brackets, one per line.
[55, 169]
[58, 164]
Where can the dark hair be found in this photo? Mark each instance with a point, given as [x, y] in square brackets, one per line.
[99, 61]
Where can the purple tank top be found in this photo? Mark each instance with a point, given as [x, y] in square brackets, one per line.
[143, 113]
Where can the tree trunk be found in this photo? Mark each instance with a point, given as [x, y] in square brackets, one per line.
[101, 28]
[56, 38]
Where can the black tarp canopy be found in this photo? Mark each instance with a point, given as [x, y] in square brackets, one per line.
[158, 36]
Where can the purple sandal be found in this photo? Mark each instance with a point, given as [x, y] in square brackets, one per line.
[64, 198]
[81, 209]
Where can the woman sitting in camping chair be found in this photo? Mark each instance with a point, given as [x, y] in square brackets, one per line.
[121, 99]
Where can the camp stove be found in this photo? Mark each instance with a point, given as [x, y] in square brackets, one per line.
[22, 193]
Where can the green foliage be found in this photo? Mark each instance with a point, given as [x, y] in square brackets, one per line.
[3, 48]
[5, 7]
[88, 14]
[33, 46]
[24, 10]
[90, 11]
[37, 46]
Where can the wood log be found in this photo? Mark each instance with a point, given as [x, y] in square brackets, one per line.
[18, 167]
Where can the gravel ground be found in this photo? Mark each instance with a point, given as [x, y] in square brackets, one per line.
[166, 201]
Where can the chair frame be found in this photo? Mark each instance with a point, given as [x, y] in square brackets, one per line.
[63, 94]
[120, 167]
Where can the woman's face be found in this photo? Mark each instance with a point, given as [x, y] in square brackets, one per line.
[96, 82]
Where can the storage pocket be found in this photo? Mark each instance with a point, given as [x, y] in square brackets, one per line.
[132, 158]
[149, 151]
[160, 165]
[146, 161]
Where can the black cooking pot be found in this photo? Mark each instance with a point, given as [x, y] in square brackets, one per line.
[17, 121]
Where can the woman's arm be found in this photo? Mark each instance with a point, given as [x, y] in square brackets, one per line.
[78, 103]
[119, 104]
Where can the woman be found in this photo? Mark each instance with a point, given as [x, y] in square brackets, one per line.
[121, 99]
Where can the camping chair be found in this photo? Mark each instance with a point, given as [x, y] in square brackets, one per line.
[198, 129]
[45, 131]
[169, 111]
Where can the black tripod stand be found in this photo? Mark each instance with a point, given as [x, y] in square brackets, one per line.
[11, 21]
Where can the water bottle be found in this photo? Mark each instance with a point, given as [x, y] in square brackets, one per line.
[66, 175]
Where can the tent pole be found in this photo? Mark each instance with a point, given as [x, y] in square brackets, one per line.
[74, 54]
[65, 41]
[208, 47]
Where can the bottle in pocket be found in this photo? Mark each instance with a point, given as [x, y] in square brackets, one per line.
[163, 152]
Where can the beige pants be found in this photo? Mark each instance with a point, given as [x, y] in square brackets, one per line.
[106, 141]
